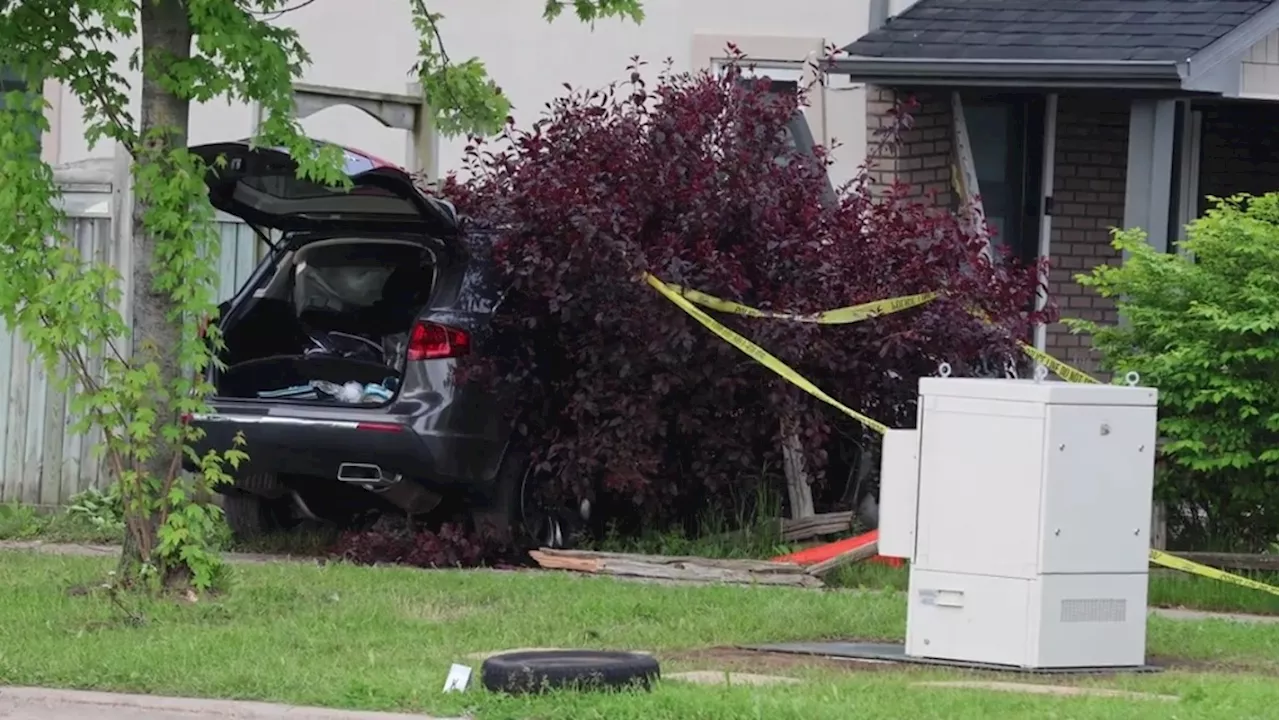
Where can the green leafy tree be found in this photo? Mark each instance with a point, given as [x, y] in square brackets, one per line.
[138, 383]
[1201, 327]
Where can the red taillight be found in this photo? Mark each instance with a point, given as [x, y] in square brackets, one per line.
[432, 341]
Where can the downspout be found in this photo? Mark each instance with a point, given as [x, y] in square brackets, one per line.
[1046, 206]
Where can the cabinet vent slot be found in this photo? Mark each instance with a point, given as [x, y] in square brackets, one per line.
[1093, 610]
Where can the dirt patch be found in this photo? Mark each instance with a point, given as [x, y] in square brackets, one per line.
[729, 659]
[1211, 666]
[765, 663]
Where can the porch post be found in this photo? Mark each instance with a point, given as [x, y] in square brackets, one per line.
[1047, 173]
[1148, 176]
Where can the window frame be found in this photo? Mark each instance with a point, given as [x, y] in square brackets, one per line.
[1024, 161]
[50, 90]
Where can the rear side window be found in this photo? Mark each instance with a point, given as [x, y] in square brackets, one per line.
[346, 278]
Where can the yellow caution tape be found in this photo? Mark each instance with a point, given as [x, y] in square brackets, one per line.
[758, 354]
[1051, 363]
[839, 316]
[1059, 368]
[866, 311]
[1177, 563]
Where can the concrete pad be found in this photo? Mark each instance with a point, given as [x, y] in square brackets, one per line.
[718, 677]
[44, 704]
[863, 661]
[1062, 690]
[1180, 614]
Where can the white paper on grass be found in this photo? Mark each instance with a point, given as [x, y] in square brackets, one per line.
[458, 678]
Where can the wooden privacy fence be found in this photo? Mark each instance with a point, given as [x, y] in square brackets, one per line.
[41, 461]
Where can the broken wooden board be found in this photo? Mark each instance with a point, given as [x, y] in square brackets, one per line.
[837, 523]
[681, 569]
[849, 557]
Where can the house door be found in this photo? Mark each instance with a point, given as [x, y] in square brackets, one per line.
[1006, 137]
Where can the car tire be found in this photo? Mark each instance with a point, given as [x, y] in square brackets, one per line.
[265, 485]
[537, 671]
[506, 510]
[248, 515]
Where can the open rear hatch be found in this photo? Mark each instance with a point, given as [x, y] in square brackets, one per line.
[261, 187]
[278, 349]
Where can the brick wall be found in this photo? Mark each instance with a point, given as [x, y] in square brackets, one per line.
[1088, 196]
[1237, 150]
[922, 158]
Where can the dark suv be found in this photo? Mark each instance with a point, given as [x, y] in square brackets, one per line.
[341, 351]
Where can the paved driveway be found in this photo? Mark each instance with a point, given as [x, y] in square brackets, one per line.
[41, 704]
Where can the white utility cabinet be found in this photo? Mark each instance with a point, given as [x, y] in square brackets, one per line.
[1024, 507]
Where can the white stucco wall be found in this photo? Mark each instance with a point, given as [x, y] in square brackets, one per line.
[371, 45]
[1260, 68]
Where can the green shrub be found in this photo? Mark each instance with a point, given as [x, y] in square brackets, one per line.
[1201, 327]
[104, 509]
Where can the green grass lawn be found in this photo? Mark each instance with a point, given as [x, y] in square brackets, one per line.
[383, 638]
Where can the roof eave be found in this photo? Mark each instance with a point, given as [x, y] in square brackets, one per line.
[1134, 75]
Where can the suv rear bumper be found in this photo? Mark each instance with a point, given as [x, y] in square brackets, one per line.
[316, 447]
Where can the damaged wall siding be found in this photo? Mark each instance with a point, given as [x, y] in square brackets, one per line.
[1089, 184]
[41, 461]
[1260, 69]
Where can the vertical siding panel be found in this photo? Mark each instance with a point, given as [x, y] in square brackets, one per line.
[51, 491]
[16, 421]
[226, 261]
[7, 487]
[70, 443]
[247, 260]
[34, 434]
[69, 456]
[105, 248]
[238, 256]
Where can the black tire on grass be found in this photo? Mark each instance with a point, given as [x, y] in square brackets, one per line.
[539, 671]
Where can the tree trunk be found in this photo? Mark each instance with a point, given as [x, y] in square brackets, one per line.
[157, 327]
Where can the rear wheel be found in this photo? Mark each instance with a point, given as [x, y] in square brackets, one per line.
[253, 505]
[515, 510]
[249, 516]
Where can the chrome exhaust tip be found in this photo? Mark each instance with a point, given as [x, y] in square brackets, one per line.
[368, 475]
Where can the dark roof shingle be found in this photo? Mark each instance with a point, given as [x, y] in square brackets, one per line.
[1107, 30]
